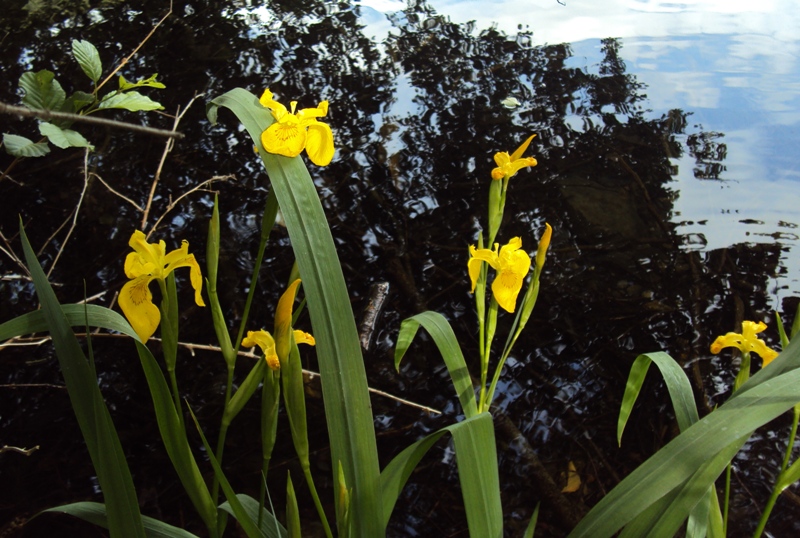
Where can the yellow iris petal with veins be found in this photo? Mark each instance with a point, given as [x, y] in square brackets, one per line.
[294, 132]
[148, 262]
[512, 265]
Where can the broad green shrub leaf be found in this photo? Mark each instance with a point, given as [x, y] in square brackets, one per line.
[476, 456]
[149, 82]
[133, 101]
[88, 58]
[96, 513]
[344, 384]
[42, 91]
[64, 138]
[87, 402]
[446, 341]
[270, 526]
[19, 146]
[77, 101]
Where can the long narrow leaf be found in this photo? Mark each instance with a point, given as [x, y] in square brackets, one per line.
[765, 396]
[248, 525]
[175, 441]
[96, 513]
[270, 526]
[87, 402]
[76, 314]
[477, 471]
[344, 383]
[442, 333]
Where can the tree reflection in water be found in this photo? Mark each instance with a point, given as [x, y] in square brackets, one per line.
[417, 119]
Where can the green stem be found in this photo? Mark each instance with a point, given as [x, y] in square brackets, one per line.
[491, 326]
[777, 489]
[267, 222]
[223, 433]
[315, 496]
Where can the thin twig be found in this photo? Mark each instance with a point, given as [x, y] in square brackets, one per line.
[53, 115]
[8, 251]
[23, 451]
[134, 204]
[249, 354]
[167, 148]
[131, 55]
[174, 203]
[74, 212]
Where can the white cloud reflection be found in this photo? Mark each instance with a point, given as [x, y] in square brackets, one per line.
[732, 63]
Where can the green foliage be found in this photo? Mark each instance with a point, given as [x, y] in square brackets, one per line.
[19, 146]
[95, 513]
[448, 345]
[669, 485]
[88, 58]
[43, 92]
[87, 402]
[344, 383]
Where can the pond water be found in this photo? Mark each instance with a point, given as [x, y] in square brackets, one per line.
[665, 139]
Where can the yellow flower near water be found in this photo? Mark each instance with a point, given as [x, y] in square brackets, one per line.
[746, 342]
[276, 350]
[293, 131]
[512, 265]
[148, 262]
[509, 165]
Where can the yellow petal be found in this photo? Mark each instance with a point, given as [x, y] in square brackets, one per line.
[544, 244]
[521, 149]
[265, 341]
[301, 337]
[319, 144]
[182, 258]
[146, 258]
[278, 110]
[284, 138]
[283, 321]
[573, 479]
[474, 267]
[136, 303]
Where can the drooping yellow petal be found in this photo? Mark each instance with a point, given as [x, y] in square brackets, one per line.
[301, 337]
[136, 302]
[746, 342]
[265, 341]
[476, 257]
[319, 144]
[182, 258]
[283, 321]
[277, 109]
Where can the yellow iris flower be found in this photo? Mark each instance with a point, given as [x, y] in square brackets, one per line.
[147, 262]
[276, 350]
[509, 165]
[746, 342]
[511, 264]
[293, 132]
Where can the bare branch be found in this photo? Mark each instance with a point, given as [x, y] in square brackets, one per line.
[53, 115]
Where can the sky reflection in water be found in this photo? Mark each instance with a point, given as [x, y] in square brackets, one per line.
[735, 65]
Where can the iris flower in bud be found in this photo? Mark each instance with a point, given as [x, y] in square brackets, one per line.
[746, 342]
[293, 131]
[148, 262]
[509, 165]
[511, 264]
[544, 244]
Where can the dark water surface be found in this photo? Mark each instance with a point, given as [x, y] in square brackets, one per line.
[417, 116]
